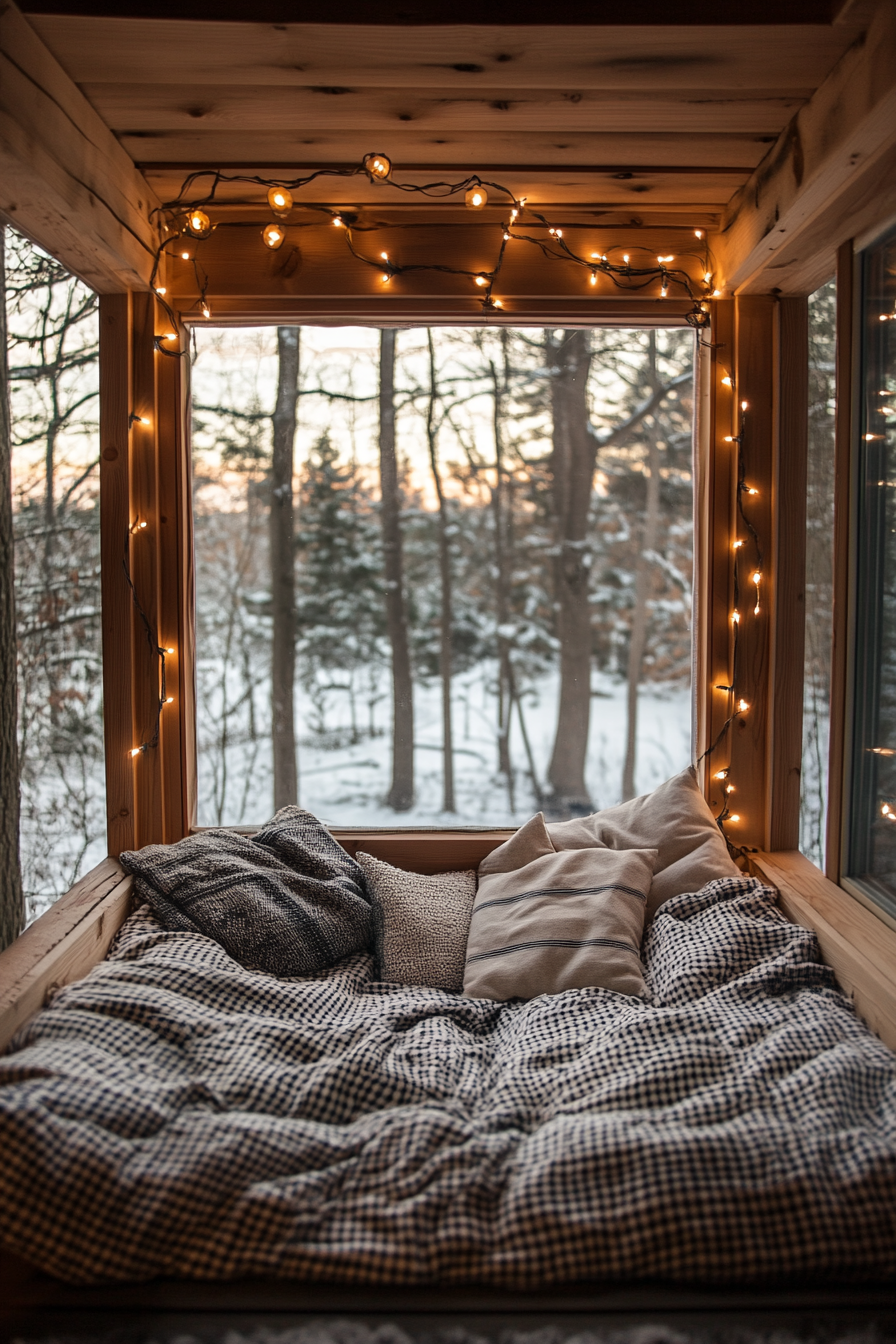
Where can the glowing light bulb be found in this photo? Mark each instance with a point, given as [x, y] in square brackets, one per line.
[273, 235]
[721, 774]
[280, 200]
[513, 214]
[728, 438]
[735, 616]
[385, 256]
[499, 303]
[708, 277]
[476, 198]
[625, 257]
[664, 291]
[869, 438]
[594, 277]
[507, 237]
[135, 751]
[756, 577]
[170, 650]
[185, 255]
[169, 700]
[161, 291]
[735, 816]
[745, 405]
[337, 222]
[742, 706]
[729, 788]
[206, 311]
[736, 545]
[385, 278]
[662, 260]
[199, 223]
[726, 381]
[378, 166]
[882, 751]
[716, 293]
[751, 490]
[170, 336]
[558, 233]
[481, 280]
[698, 233]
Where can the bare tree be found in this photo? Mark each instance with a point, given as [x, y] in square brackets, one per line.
[283, 581]
[12, 904]
[499, 386]
[446, 620]
[401, 792]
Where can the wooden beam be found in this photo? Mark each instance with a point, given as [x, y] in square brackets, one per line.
[62, 945]
[425, 851]
[846, 377]
[64, 179]
[831, 174]
[785, 590]
[461, 58]
[859, 947]
[115, 517]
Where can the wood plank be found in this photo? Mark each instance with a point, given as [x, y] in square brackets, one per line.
[186, 600]
[803, 197]
[859, 947]
[787, 579]
[745, 56]
[293, 152]
[64, 179]
[377, 311]
[62, 945]
[424, 852]
[846, 391]
[169, 107]
[115, 518]
[753, 375]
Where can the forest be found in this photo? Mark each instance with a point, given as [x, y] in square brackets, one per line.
[443, 575]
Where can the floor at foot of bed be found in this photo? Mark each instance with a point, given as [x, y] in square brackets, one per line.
[35, 1307]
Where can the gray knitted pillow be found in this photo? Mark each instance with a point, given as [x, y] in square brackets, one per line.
[420, 924]
[288, 900]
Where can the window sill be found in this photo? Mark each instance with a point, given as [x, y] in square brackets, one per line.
[855, 943]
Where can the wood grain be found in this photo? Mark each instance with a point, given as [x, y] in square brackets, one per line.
[785, 590]
[844, 421]
[859, 947]
[194, 54]
[425, 852]
[62, 945]
[802, 200]
[115, 517]
[64, 179]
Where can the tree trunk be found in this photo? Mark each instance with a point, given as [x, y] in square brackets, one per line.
[445, 577]
[283, 581]
[401, 793]
[505, 692]
[572, 466]
[640, 615]
[12, 905]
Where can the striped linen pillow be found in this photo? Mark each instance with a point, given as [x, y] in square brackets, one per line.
[568, 920]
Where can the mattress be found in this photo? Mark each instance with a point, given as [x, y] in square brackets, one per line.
[176, 1114]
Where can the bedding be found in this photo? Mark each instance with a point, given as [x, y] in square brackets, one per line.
[176, 1114]
[288, 900]
[420, 924]
[559, 921]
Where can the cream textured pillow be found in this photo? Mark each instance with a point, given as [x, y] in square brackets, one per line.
[420, 924]
[559, 921]
[676, 819]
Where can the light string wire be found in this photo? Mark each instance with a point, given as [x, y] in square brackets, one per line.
[739, 706]
[195, 195]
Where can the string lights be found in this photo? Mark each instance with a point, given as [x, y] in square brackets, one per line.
[188, 216]
[738, 706]
[158, 652]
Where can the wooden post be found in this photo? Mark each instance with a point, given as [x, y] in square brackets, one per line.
[785, 590]
[843, 496]
[115, 518]
[145, 522]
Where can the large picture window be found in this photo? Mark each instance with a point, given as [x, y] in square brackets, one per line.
[872, 839]
[479, 602]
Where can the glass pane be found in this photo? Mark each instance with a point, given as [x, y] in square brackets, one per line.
[54, 403]
[487, 616]
[872, 852]
[819, 572]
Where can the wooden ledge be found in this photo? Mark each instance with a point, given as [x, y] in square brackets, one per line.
[63, 944]
[859, 947]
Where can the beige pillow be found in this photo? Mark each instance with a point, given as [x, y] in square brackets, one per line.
[560, 921]
[676, 819]
[420, 924]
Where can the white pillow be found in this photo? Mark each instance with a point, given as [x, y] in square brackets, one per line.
[558, 921]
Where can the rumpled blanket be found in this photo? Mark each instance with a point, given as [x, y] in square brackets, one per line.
[288, 900]
[176, 1114]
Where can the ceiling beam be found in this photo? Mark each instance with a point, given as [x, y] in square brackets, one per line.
[831, 174]
[64, 179]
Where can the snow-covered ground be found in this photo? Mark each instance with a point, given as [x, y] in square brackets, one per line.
[344, 782]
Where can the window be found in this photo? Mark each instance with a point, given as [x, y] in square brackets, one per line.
[872, 837]
[54, 387]
[479, 613]
[819, 572]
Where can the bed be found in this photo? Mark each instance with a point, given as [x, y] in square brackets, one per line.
[175, 1114]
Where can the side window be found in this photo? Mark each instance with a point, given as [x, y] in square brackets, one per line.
[872, 829]
[819, 572]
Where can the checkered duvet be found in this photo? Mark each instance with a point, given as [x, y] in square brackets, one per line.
[176, 1114]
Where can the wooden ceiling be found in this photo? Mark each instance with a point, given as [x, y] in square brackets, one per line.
[649, 124]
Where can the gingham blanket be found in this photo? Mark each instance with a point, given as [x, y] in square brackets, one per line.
[176, 1114]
